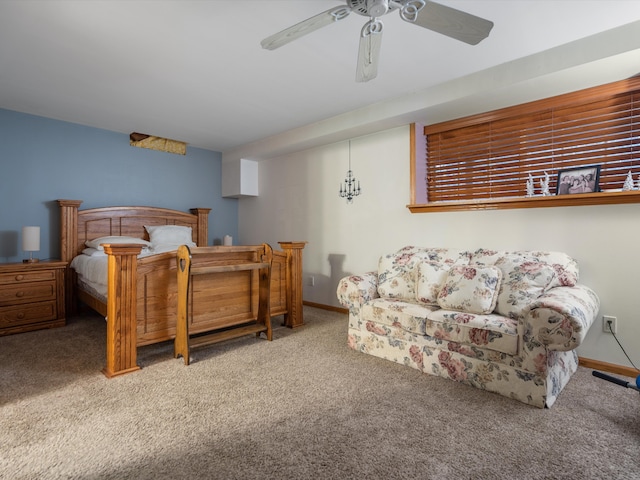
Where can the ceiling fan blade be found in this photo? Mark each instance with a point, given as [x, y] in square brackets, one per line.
[306, 26]
[450, 22]
[369, 50]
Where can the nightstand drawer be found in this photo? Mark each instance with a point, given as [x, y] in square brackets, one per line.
[32, 296]
[27, 293]
[26, 276]
[22, 315]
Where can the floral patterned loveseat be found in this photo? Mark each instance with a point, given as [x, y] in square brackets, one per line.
[507, 322]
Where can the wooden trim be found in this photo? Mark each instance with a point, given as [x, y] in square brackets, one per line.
[330, 308]
[580, 199]
[412, 160]
[88, 300]
[608, 367]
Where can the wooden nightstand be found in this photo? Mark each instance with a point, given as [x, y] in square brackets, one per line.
[31, 296]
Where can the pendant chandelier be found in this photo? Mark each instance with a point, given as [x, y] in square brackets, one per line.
[348, 189]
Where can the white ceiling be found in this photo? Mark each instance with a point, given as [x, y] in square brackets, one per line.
[194, 70]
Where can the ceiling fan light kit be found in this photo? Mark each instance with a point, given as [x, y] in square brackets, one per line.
[433, 16]
[377, 8]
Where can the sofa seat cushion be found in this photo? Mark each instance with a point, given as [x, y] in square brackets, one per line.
[493, 332]
[411, 316]
[490, 331]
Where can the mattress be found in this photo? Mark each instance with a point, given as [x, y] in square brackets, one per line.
[92, 272]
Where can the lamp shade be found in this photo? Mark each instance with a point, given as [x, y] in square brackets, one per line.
[31, 239]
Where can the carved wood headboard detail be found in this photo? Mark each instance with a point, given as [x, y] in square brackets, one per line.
[78, 226]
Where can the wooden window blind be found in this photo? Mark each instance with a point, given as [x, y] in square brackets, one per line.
[491, 155]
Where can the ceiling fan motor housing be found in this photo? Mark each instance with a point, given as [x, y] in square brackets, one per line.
[369, 8]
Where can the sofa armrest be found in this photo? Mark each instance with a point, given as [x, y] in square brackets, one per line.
[354, 290]
[561, 318]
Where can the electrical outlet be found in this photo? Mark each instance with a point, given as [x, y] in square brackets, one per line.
[609, 324]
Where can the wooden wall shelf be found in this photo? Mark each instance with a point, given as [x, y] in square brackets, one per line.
[576, 200]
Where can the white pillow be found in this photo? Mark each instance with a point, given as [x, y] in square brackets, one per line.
[169, 235]
[471, 289]
[96, 242]
[431, 276]
[396, 276]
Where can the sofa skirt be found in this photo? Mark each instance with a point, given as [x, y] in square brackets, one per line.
[491, 371]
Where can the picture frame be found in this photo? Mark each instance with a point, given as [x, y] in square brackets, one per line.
[578, 180]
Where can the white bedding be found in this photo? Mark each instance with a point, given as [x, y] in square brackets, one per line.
[92, 270]
[91, 266]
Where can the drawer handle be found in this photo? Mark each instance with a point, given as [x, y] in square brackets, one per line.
[19, 277]
[20, 315]
[20, 294]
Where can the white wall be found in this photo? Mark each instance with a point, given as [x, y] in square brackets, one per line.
[299, 201]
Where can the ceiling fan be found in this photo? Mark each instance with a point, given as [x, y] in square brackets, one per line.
[424, 13]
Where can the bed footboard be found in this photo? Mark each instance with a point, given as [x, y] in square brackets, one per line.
[207, 261]
[134, 316]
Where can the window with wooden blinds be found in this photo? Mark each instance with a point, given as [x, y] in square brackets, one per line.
[490, 156]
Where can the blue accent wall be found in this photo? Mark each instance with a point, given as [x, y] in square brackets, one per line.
[42, 160]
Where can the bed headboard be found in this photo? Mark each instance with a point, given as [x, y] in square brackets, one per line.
[78, 226]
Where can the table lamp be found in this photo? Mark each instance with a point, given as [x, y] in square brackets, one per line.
[30, 242]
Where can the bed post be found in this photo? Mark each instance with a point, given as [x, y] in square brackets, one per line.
[68, 245]
[294, 318]
[202, 239]
[121, 309]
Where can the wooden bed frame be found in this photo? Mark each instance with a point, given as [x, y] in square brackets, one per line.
[142, 293]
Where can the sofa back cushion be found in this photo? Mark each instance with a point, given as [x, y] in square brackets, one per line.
[524, 280]
[417, 273]
[526, 275]
[471, 288]
[566, 268]
[397, 272]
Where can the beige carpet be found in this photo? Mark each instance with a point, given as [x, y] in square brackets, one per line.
[302, 406]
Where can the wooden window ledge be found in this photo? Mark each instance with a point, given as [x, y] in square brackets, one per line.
[575, 200]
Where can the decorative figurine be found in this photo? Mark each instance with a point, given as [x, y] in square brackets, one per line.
[531, 190]
[544, 185]
[628, 183]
